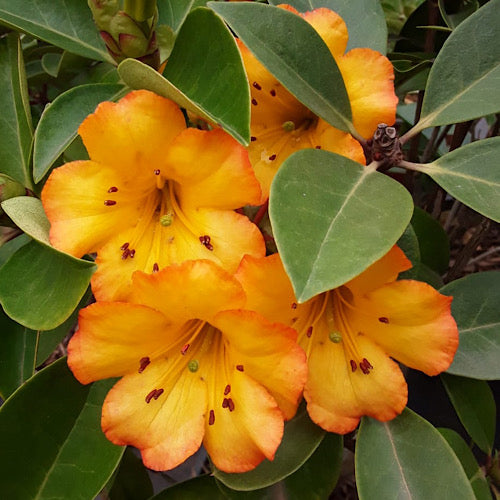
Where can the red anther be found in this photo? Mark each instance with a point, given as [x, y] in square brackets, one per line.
[225, 403]
[124, 246]
[254, 102]
[157, 171]
[132, 253]
[227, 390]
[158, 393]
[256, 85]
[109, 203]
[125, 253]
[318, 147]
[273, 92]
[253, 139]
[309, 332]
[230, 404]
[353, 365]
[150, 396]
[240, 368]
[367, 363]
[383, 319]
[211, 418]
[272, 157]
[294, 305]
[143, 363]
[112, 189]
[185, 349]
[156, 268]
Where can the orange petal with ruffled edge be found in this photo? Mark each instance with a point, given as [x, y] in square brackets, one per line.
[369, 80]
[337, 397]
[132, 135]
[82, 210]
[268, 353]
[161, 411]
[194, 289]
[106, 343]
[411, 321]
[238, 439]
[385, 270]
[212, 170]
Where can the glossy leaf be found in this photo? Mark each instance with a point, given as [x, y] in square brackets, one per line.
[59, 123]
[295, 54]
[64, 23]
[332, 218]
[198, 488]
[475, 406]
[469, 463]
[471, 175]
[463, 82]
[475, 309]
[368, 30]
[51, 427]
[407, 458]
[207, 79]
[15, 119]
[17, 355]
[300, 440]
[52, 283]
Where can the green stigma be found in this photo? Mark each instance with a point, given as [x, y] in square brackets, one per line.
[193, 365]
[167, 219]
[288, 126]
[335, 337]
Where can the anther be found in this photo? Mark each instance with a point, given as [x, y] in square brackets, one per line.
[112, 189]
[132, 253]
[205, 241]
[309, 332]
[143, 363]
[383, 319]
[156, 267]
[124, 246]
[294, 305]
[193, 365]
[227, 390]
[230, 404]
[272, 157]
[256, 85]
[109, 203]
[288, 126]
[335, 337]
[156, 172]
[254, 102]
[167, 219]
[184, 349]
[318, 147]
[125, 254]
[240, 368]
[273, 92]
[225, 403]
[158, 393]
[150, 396]
[253, 138]
[211, 418]
[353, 365]
[367, 363]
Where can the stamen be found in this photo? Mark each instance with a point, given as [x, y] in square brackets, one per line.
[273, 92]
[254, 102]
[309, 332]
[157, 171]
[150, 396]
[211, 418]
[383, 319]
[125, 254]
[205, 241]
[367, 363]
[167, 219]
[240, 368]
[112, 189]
[225, 403]
[288, 126]
[272, 157]
[256, 85]
[353, 365]
[227, 390]
[230, 404]
[253, 138]
[294, 305]
[193, 365]
[143, 363]
[124, 246]
[318, 147]
[158, 393]
[132, 253]
[335, 337]
[109, 203]
[185, 349]
[156, 267]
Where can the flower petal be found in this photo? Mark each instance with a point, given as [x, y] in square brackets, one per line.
[268, 353]
[132, 135]
[337, 397]
[238, 440]
[195, 289]
[74, 198]
[212, 170]
[369, 80]
[167, 429]
[412, 322]
[107, 343]
[385, 270]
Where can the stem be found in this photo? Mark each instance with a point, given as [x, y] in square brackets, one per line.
[409, 165]
[413, 153]
[451, 215]
[459, 134]
[426, 156]
[261, 213]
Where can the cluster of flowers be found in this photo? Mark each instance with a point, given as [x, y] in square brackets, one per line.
[201, 325]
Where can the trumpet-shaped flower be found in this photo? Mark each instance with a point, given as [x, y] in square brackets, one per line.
[153, 193]
[195, 367]
[281, 125]
[351, 333]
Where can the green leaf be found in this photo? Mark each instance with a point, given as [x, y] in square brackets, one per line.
[475, 406]
[432, 239]
[60, 120]
[198, 488]
[10, 247]
[65, 23]
[408, 242]
[295, 54]
[470, 174]
[407, 458]
[52, 283]
[16, 130]
[207, 79]
[173, 14]
[469, 464]
[475, 309]
[51, 427]
[51, 63]
[17, 355]
[332, 218]
[300, 440]
[462, 10]
[368, 30]
[463, 82]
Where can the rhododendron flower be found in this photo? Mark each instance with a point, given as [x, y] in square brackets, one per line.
[153, 193]
[351, 333]
[281, 125]
[195, 367]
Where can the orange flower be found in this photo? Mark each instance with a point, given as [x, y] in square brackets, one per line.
[351, 333]
[281, 125]
[152, 193]
[195, 367]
